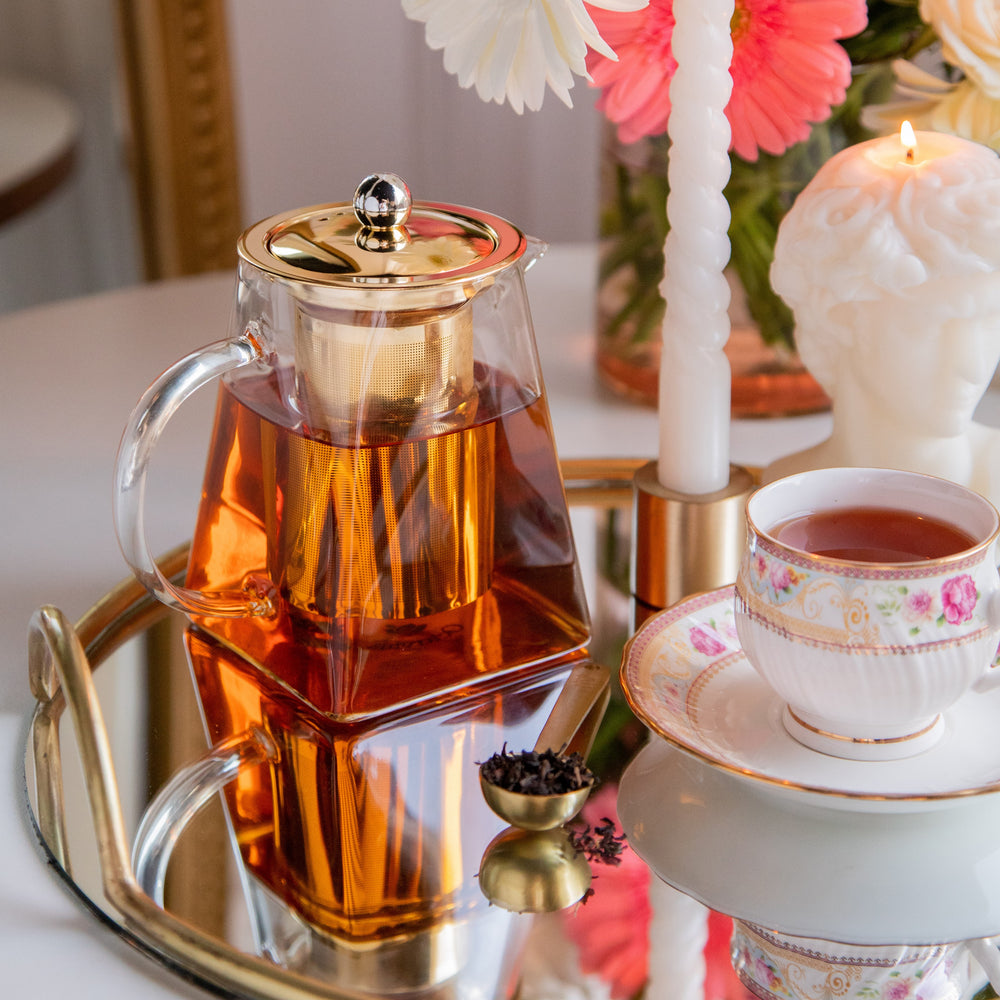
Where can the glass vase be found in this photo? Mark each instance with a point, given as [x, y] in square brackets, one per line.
[768, 379]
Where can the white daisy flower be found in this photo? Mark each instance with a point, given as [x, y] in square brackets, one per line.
[510, 49]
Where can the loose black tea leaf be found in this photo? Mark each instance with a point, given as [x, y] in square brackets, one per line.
[537, 773]
[601, 844]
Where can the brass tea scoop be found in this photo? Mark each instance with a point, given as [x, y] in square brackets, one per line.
[533, 871]
[570, 728]
[533, 866]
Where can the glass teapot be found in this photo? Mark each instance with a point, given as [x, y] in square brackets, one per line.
[382, 518]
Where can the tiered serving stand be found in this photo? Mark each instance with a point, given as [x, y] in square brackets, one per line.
[731, 810]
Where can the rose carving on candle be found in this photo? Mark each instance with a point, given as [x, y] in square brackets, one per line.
[890, 262]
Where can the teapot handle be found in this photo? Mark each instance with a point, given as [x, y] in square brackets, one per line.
[990, 680]
[148, 419]
[177, 802]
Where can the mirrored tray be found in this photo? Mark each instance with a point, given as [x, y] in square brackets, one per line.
[117, 715]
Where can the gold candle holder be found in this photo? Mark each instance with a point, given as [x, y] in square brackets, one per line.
[684, 543]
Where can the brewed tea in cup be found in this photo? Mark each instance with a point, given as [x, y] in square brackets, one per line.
[867, 598]
[873, 535]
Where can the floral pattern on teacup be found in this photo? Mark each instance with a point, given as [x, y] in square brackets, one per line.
[958, 598]
[953, 603]
[808, 977]
[822, 600]
[917, 606]
[778, 580]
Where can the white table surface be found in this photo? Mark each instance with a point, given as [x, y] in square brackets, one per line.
[70, 374]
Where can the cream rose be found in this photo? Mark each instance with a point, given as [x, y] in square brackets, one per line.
[967, 111]
[970, 35]
[933, 105]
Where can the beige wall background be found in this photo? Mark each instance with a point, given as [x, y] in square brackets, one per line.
[326, 91]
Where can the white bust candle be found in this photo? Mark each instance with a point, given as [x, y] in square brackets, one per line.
[890, 260]
[694, 397]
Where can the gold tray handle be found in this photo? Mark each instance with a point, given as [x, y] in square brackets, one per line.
[55, 650]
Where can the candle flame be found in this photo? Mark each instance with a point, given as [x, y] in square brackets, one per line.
[909, 139]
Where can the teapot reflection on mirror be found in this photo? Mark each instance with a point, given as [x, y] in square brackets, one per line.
[382, 575]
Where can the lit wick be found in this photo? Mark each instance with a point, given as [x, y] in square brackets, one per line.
[909, 139]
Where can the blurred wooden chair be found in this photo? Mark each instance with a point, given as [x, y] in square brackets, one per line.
[39, 133]
[182, 137]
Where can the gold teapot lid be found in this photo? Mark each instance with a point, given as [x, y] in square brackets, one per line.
[383, 242]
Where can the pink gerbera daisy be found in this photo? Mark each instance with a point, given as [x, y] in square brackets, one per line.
[788, 70]
[611, 929]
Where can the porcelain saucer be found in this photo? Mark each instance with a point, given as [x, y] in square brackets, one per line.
[686, 677]
[864, 877]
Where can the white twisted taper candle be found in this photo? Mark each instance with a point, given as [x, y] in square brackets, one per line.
[678, 933]
[695, 378]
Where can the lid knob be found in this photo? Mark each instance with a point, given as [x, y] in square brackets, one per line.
[382, 204]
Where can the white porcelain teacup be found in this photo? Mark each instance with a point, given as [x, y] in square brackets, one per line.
[869, 600]
[777, 966]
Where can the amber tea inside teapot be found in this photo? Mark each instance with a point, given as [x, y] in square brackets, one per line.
[383, 516]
